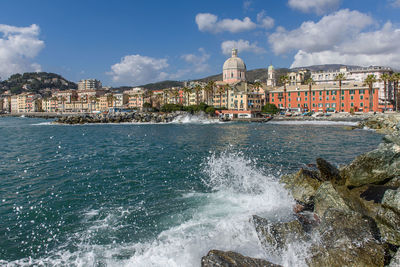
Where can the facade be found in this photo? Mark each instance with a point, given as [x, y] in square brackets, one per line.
[234, 69]
[298, 77]
[271, 81]
[14, 104]
[325, 97]
[121, 100]
[89, 84]
[357, 75]
[136, 97]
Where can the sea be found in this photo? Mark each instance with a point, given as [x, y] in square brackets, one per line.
[154, 194]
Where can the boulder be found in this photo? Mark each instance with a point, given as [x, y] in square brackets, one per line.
[326, 197]
[217, 258]
[388, 222]
[346, 239]
[395, 262]
[302, 185]
[374, 167]
[328, 171]
[278, 235]
[392, 199]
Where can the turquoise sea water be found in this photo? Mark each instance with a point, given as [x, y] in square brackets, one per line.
[151, 195]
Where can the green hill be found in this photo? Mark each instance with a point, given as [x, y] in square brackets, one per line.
[36, 82]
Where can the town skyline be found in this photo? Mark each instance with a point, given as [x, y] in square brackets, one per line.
[127, 44]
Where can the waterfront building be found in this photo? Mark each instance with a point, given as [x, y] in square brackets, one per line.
[14, 104]
[325, 97]
[136, 97]
[50, 104]
[121, 100]
[89, 84]
[1, 104]
[358, 75]
[28, 102]
[298, 77]
[234, 69]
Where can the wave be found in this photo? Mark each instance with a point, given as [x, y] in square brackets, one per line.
[194, 119]
[236, 189]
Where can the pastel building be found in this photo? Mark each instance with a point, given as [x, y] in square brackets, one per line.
[89, 84]
[326, 97]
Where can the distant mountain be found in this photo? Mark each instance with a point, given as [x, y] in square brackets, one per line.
[162, 85]
[36, 82]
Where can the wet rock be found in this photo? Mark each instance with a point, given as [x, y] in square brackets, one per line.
[217, 258]
[326, 197]
[395, 261]
[278, 235]
[374, 167]
[302, 185]
[328, 171]
[392, 199]
[346, 239]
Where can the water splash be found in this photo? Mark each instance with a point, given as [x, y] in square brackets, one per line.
[195, 119]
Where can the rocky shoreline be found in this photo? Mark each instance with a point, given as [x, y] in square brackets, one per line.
[347, 216]
[136, 117]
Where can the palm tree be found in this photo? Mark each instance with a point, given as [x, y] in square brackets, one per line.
[284, 79]
[385, 78]
[227, 88]
[370, 80]
[92, 99]
[395, 78]
[110, 99]
[149, 94]
[63, 99]
[175, 94]
[340, 77]
[220, 90]
[197, 89]
[310, 83]
[187, 91]
[54, 98]
[211, 84]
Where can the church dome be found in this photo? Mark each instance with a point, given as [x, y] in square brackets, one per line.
[234, 62]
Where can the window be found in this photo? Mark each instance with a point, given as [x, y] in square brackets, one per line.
[342, 92]
[305, 99]
[361, 97]
[327, 92]
[342, 105]
[352, 104]
[327, 98]
[362, 91]
[327, 105]
[313, 105]
[305, 93]
[342, 97]
[320, 105]
[298, 105]
[298, 93]
[290, 99]
[333, 98]
[299, 99]
[352, 97]
[289, 105]
[313, 98]
[272, 100]
[289, 94]
[320, 98]
[313, 93]
[361, 104]
[352, 92]
[231, 74]
[320, 92]
[334, 105]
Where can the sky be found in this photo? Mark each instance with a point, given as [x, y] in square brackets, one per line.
[131, 43]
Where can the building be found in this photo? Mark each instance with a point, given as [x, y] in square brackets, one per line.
[89, 84]
[357, 75]
[271, 81]
[136, 97]
[121, 100]
[298, 77]
[234, 69]
[325, 97]
[14, 104]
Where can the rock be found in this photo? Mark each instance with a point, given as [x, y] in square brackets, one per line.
[346, 239]
[328, 171]
[326, 197]
[395, 262]
[302, 185]
[217, 258]
[374, 167]
[392, 199]
[278, 235]
[394, 182]
[393, 138]
[388, 222]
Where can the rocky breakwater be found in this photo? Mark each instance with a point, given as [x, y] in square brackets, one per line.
[347, 216]
[134, 117]
[383, 123]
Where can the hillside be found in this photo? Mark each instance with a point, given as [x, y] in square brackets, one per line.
[36, 82]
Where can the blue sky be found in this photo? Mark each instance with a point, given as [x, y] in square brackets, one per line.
[130, 43]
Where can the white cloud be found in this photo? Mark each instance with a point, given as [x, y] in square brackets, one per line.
[18, 47]
[247, 4]
[265, 21]
[207, 22]
[366, 49]
[137, 70]
[395, 3]
[319, 7]
[322, 35]
[198, 62]
[242, 46]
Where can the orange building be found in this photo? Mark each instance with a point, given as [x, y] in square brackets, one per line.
[325, 97]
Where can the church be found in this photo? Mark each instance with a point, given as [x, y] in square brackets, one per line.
[234, 93]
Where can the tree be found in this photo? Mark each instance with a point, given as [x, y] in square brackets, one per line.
[270, 108]
[92, 99]
[310, 83]
[197, 89]
[395, 78]
[385, 78]
[227, 88]
[370, 80]
[284, 80]
[211, 84]
[187, 91]
[220, 90]
[340, 77]
[63, 99]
